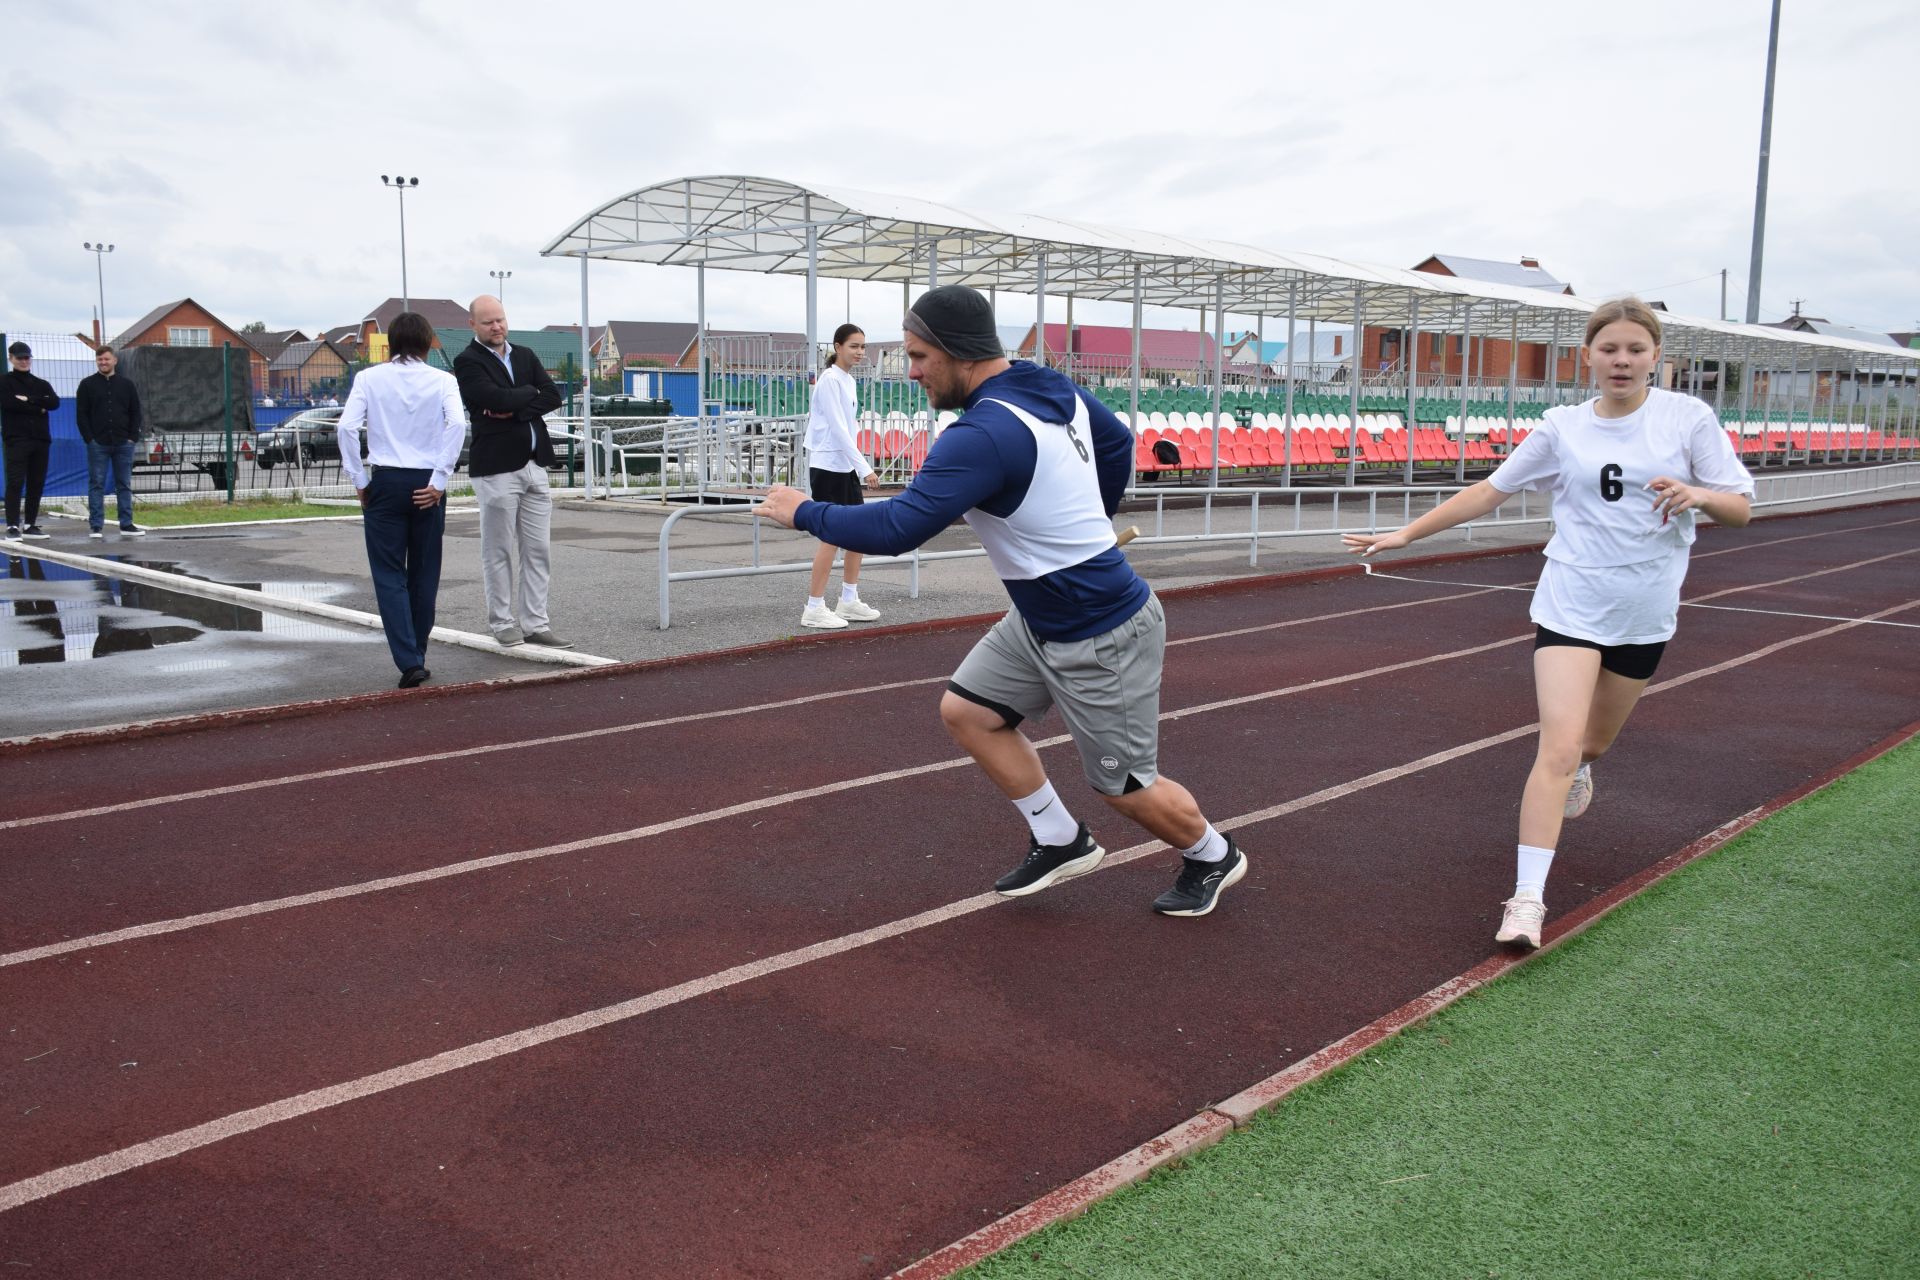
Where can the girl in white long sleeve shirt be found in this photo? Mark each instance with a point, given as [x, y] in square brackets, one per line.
[837, 469]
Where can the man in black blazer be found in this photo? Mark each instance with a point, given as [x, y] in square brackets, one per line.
[506, 391]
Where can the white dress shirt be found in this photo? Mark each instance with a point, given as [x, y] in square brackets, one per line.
[412, 416]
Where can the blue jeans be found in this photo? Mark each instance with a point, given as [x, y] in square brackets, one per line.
[98, 456]
[403, 551]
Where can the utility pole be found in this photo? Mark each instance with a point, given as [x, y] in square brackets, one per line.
[1760, 190]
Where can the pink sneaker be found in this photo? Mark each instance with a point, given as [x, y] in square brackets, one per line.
[1580, 794]
[1521, 921]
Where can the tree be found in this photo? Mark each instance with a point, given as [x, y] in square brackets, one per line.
[254, 326]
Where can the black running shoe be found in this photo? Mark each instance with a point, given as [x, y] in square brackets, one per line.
[1049, 863]
[35, 531]
[1201, 884]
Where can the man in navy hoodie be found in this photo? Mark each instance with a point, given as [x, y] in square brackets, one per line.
[1037, 469]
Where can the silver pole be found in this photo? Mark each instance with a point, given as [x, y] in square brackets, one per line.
[1466, 352]
[700, 377]
[1413, 375]
[1760, 187]
[933, 265]
[406, 301]
[1219, 333]
[586, 375]
[1286, 437]
[1357, 350]
[813, 297]
[1833, 389]
[1134, 414]
[1720, 383]
[1040, 315]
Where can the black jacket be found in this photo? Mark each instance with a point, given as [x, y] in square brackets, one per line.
[506, 444]
[26, 419]
[107, 409]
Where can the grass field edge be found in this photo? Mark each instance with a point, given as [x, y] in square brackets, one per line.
[1216, 1122]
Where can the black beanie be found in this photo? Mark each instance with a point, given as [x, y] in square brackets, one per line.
[958, 320]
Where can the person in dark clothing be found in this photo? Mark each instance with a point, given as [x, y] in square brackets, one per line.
[108, 409]
[25, 402]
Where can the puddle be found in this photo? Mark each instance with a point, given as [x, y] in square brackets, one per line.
[54, 613]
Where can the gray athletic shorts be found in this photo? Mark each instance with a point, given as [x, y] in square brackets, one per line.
[1107, 688]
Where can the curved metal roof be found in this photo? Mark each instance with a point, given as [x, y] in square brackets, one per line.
[746, 223]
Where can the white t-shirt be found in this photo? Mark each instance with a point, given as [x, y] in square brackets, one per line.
[831, 445]
[1614, 567]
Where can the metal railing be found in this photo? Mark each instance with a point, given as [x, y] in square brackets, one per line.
[1342, 509]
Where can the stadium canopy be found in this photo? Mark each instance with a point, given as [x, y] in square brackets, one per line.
[772, 226]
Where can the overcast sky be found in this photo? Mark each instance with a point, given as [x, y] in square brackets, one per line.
[232, 152]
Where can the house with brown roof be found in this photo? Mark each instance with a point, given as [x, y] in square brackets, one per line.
[312, 368]
[185, 323]
[441, 313]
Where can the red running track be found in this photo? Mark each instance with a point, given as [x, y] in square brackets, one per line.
[723, 995]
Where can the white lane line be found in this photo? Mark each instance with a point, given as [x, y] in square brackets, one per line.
[293, 604]
[68, 1177]
[1762, 544]
[397, 762]
[180, 923]
[376, 766]
[1813, 617]
[1695, 602]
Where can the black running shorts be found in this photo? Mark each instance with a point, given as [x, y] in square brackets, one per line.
[1633, 661]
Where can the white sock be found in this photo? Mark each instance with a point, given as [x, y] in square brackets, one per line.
[849, 591]
[1212, 847]
[1532, 882]
[1047, 816]
[816, 602]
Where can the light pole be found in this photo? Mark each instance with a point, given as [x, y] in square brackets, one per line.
[502, 277]
[400, 185]
[100, 279]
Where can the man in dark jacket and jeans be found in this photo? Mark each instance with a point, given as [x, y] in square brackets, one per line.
[108, 409]
[25, 402]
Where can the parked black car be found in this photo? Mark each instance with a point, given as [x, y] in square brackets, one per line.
[312, 438]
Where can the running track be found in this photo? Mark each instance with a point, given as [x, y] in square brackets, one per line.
[688, 969]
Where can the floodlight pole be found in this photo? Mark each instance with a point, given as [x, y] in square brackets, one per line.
[100, 280]
[1760, 187]
[400, 186]
[502, 277]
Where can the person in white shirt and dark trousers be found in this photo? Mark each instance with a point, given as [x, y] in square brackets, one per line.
[836, 470]
[506, 390]
[414, 426]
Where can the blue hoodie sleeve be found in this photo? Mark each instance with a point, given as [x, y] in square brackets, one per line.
[962, 470]
[1112, 452]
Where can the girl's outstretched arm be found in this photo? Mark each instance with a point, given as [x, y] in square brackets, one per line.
[1468, 504]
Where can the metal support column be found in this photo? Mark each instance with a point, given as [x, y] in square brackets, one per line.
[1413, 376]
[1353, 381]
[1286, 438]
[1466, 352]
[1219, 368]
[1040, 316]
[1134, 414]
[586, 375]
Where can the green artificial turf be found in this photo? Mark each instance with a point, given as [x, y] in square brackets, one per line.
[1722, 1078]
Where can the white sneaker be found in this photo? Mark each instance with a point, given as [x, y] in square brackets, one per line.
[856, 610]
[818, 615]
[1522, 920]
[1580, 794]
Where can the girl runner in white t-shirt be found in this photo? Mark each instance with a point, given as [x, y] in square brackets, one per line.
[836, 471]
[1609, 596]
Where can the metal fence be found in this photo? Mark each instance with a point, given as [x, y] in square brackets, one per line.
[1272, 513]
